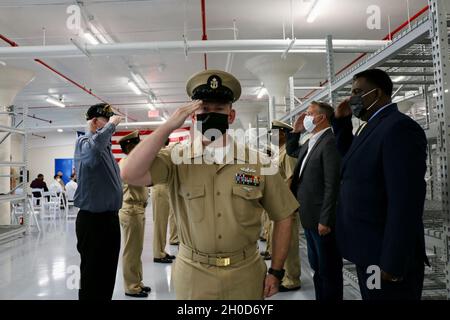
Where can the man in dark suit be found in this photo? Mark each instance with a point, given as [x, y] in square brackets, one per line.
[315, 182]
[379, 219]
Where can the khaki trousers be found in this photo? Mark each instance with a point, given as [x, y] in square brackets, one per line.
[132, 220]
[292, 264]
[197, 281]
[173, 232]
[161, 210]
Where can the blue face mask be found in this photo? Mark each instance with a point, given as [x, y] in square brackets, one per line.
[357, 105]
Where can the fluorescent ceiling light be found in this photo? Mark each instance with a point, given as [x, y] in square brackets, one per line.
[262, 93]
[398, 79]
[98, 34]
[90, 38]
[138, 78]
[55, 102]
[60, 130]
[134, 87]
[314, 11]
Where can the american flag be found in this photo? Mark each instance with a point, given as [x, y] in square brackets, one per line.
[176, 136]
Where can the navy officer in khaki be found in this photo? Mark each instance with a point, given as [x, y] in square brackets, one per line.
[218, 201]
[132, 220]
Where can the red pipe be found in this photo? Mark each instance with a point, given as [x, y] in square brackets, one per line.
[204, 36]
[68, 79]
[14, 44]
[389, 36]
[404, 24]
[10, 42]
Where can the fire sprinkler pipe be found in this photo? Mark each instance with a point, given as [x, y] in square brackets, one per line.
[389, 36]
[89, 91]
[216, 46]
[204, 36]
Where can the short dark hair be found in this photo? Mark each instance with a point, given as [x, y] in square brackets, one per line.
[378, 78]
[324, 108]
[40, 175]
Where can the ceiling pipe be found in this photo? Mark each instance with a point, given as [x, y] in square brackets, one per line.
[204, 36]
[14, 45]
[210, 46]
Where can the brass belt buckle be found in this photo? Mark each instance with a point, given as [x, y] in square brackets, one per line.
[222, 262]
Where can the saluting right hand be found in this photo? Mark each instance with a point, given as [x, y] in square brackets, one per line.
[181, 114]
[298, 125]
[343, 110]
[115, 119]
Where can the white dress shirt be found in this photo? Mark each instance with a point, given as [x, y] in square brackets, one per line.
[55, 187]
[312, 141]
[71, 187]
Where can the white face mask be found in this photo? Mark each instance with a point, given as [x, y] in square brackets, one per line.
[308, 123]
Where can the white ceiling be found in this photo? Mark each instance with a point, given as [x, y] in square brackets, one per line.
[164, 20]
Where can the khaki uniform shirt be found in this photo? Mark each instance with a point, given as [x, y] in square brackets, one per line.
[216, 213]
[287, 164]
[133, 194]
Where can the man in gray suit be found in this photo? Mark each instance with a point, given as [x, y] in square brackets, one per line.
[315, 182]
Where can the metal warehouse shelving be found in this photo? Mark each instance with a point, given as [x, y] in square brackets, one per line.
[14, 230]
[420, 55]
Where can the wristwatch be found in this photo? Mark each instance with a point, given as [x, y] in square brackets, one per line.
[279, 274]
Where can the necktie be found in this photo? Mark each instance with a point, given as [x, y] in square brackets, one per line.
[361, 128]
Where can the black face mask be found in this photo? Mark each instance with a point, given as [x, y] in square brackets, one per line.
[212, 120]
[357, 105]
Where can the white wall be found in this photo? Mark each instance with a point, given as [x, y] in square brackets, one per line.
[43, 152]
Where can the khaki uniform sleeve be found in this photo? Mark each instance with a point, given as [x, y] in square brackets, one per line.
[289, 166]
[122, 163]
[278, 200]
[161, 170]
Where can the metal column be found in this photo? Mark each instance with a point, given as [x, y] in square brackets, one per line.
[439, 38]
[330, 70]
[291, 105]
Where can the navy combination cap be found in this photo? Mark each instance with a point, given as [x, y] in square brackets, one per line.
[213, 85]
[99, 110]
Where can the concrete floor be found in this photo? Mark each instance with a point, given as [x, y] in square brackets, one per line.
[42, 266]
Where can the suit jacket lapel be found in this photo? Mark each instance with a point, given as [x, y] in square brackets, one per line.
[326, 133]
[358, 141]
[301, 155]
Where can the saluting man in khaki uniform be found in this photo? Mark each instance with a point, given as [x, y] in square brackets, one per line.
[291, 280]
[161, 212]
[132, 220]
[218, 195]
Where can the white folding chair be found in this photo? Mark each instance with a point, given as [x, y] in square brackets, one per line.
[38, 200]
[18, 211]
[33, 216]
[72, 211]
[52, 204]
